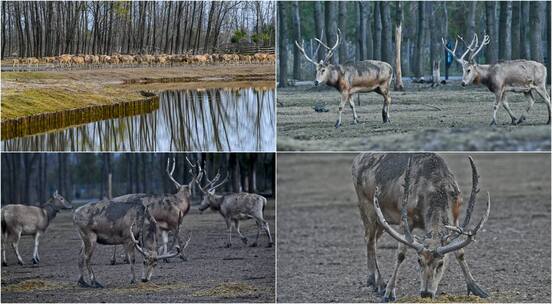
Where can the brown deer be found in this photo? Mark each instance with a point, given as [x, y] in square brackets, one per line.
[430, 200]
[351, 78]
[20, 220]
[518, 76]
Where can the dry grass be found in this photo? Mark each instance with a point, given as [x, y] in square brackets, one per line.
[444, 298]
[227, 290]
[33, 285]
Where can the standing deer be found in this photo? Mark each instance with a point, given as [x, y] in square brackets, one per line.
[113, 223]
[430, 200]
[518, 76]
[20, 220]
[234, 208]
[351, 78]
[168, 210]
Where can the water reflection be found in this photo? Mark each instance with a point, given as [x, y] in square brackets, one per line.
[187, 120]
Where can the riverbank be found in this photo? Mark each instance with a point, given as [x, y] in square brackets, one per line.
[27, 94]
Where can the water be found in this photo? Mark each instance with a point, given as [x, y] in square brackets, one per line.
[187, 120]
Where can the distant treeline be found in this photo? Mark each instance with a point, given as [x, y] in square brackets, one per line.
[29, 178]
[517, 30]
[52, 28]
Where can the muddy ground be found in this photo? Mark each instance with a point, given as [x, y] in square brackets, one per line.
[322, 253]
[446, 118]
[213, 273]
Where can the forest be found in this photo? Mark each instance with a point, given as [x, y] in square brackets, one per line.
[374, 29]
[31, 178]
[52, 28]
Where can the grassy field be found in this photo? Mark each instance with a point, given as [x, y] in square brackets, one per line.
[445, 118]
[29, 93]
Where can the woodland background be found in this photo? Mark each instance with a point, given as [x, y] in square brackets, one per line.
[517, 30]
[30, 178]
[52, 28]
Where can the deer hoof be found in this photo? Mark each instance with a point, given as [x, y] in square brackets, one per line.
[476, 290]
[82, 283]
[493, 123]
[520, 120]
[390, 298]
[253, 245]
[515, 121]
[166, 260]
[113, 262]
[4, 263]
[270, 245]
[35, 261]
[133, 281]
[228, 245]
[20, 262]
[244, 240]
[337, 124]
[95, 284]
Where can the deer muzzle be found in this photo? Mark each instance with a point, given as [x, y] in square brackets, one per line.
[316, 83]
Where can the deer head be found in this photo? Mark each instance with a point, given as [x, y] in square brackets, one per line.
[323, 73]
[208, 190]
[432, 251]
[59, 202]
[469, 67]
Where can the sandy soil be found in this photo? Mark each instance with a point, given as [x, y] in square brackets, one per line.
[321, 253]
[446, 118]
[212, 273]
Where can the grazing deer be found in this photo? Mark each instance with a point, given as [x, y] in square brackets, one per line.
[168, 210]
[234, 208]
[430, 200]
[362, 76]
[518, 76]
[20, 220]
[113, 223]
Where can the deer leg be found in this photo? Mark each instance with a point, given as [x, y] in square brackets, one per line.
[36, 258]
[470, 281]
[530, 104]
[374, 276]
[82, 259]
[131, 258]
[114, 256]
[542, 92]
[386, 106]
[496, 106]
[267, 230]
[344, 98]
[88, 251]
[237, 226]
[352, 105]
[390, 290]
[4, 242]
[15, 246]
[229, 228]
[506, 106]
[165, 240]
[259, 228]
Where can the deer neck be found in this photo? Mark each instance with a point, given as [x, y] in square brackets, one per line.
[215, 201]
[334, 80]
[483, 76]
[50, 209]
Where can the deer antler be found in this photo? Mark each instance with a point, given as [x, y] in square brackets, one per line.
[302, 50]
[330, 50]
[177, 184]
[453, 51]
[486, 40]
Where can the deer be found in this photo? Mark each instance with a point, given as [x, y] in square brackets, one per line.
[18, 219]
[234, 207]
[517, 76]
[430, 200]
[112, 223]
[168, 210]
[351, 78]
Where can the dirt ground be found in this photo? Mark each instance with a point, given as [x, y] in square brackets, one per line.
[212, 273]
[445, 118]
[321, 253]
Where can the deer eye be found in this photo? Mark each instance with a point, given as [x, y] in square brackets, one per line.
[420, 261]
[469, 70]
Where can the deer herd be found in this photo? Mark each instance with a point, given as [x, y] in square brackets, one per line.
[515, 76]
[67, 61]
[134, 221]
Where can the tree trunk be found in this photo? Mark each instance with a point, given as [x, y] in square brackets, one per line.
[420, 35]
[470, 22]
[282, 44]
[330, 18]
[387, 29]
[342, 18]
[505, 31]
[537, 28]
[516, 27]
[295, 17]
[377, 30]
[398, 37]
[367, 19]
[492, 48]
[319, 28]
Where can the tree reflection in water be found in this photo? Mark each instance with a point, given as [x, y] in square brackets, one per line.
[187, 120]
